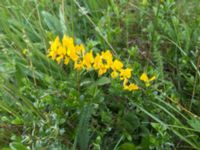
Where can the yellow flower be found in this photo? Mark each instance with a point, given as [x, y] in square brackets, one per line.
[80, 49]
[102, 70]
[130, 87]
[114, 74]
[125, 73]
[125, 82]
[125, 87]
[67, 41]
[78, 65]
[146, 79]
[88, 60]
[53, 54]
[117, 65]
[66, 61]
[70, 48]
[61, 51]
[97, 62]
[103, 62]
[133, 87]
[59, 58]
[107, 58]
[73, 55]
[55, 44]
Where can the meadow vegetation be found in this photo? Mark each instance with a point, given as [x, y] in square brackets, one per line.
[99, 74]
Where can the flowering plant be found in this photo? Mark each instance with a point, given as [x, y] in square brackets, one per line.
[66, 50]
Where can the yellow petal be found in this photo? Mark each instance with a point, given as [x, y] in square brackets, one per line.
[58, 59]
[88, 60]
[152, 78]
[78, 65]
[125, 82]
[66, 62]
[55, 44]
[97, 62]
[133, 87]
[102, 70]
[80, 49]
[67, 41]
[126, 87]
[144, 77]
[125, 73]
[117, 65]
[114, 74]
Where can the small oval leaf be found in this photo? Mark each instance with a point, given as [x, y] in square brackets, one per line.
[102, 81]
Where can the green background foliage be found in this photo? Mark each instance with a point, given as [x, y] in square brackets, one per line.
[44, 105]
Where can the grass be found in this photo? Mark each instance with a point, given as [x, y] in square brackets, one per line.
[45, 105]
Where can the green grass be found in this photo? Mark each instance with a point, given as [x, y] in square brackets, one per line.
[45, 105]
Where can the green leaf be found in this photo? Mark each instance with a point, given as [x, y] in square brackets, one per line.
[127, 146]
[103, 81]
[6, 148]
[17, 146]
[62, 20]
[130, 122]
[195, 124]
[17, 121]
[52, 22]
[86, 82]
[83, 128]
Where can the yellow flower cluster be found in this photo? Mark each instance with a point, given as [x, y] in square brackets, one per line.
[146, 79]
[66, 50]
